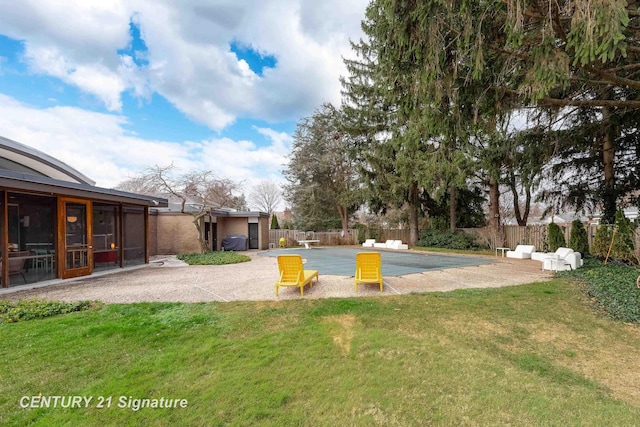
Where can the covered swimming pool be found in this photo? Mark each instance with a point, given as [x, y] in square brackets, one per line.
[340, 261]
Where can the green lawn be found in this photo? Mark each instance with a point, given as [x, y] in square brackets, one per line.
[527, 355]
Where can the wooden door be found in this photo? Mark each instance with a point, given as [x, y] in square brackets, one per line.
[75, 238]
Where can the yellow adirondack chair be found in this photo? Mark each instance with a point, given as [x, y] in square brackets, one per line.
[293, 274]
[368, 269]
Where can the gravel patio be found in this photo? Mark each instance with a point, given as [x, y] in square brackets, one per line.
[167, 279]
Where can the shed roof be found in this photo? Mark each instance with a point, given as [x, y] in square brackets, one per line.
[252, 214]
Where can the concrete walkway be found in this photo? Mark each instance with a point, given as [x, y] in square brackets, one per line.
[167, 279]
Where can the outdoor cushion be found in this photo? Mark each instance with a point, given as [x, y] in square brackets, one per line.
[563, 252]
[540, 256]
[386, 244]
[521, 252]
[397, 244]
[560, 253]
[574, 259]
[570, 260]
[369, 243]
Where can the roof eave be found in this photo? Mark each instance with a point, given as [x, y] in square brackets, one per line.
[23, 181]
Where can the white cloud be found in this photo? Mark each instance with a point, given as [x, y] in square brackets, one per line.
[189, 61]
[95, 79]
[75, 42]
[97, 145]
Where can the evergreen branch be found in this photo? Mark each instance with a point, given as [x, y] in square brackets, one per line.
[563, 102]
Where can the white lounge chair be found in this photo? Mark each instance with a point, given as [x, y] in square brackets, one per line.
[369, 243]
[521, 252]
[561, 259]
[397, 244]
[560, 252]
[384, 245]
[574, 259]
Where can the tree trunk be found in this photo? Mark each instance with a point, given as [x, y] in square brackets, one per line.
[197, 224]
[453, 207]
[527, 206]
[609, 196]
[413, 214]
[494, 211]
[344, 218]
[521, 217]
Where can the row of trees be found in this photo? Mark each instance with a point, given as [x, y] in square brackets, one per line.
[446, 101]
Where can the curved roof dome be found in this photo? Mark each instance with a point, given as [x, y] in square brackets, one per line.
[21, 158]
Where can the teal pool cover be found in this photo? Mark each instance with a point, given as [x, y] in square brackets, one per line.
[342, 261]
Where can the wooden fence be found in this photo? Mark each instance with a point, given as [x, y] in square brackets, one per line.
[509, 236]
[333, 238]
[327, 238]
[395, 234]
[513, 235]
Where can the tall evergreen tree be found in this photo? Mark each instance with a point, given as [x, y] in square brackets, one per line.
[433, 78]
[323, 183]
[415, 95]
[583, 54]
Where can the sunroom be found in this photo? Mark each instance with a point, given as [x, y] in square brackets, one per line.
[55, 224]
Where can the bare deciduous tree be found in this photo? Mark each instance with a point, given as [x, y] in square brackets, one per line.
[197, 192]
[265, 196]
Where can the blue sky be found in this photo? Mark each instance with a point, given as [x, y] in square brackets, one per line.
[113, 87]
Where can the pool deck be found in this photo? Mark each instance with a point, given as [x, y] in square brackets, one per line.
[166, 279]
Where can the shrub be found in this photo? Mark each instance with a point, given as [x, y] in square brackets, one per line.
[612, 287]
[448, 239]
[556, 237]
[274, 222]
[213, 258]
[602, 241]
[544, 234]
[28, 309]
[579, 239]
[615, 241]
[373, 231]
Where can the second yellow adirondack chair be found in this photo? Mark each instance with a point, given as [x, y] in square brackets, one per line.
[368, 269]
[293, 274]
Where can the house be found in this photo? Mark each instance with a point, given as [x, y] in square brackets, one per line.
[172, 231]
[56, 224]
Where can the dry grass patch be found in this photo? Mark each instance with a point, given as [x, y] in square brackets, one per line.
[591, 354]
[342, 330]
[594, 355]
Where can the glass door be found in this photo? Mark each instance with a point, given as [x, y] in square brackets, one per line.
[253, 236]
[75, 238]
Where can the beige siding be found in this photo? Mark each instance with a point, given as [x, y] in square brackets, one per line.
[228, 226]
[153, 235]
[171, 233]
[176, 234]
